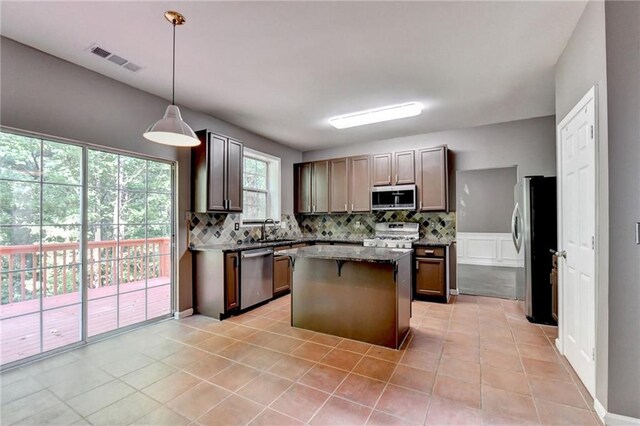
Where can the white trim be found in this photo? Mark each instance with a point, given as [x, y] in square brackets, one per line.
[612, 419]
[454, 292]
[274, 185]
[592, 94]
[488, 249]
[183, 314]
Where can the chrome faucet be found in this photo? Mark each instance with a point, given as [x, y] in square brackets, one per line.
[264, 228]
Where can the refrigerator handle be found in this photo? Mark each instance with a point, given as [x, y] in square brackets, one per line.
[515, 231]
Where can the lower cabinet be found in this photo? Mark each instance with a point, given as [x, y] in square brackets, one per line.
[431, 282]
[281, 274]
[231, 281]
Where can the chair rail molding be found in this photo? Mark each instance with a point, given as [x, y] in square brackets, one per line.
[488, 249]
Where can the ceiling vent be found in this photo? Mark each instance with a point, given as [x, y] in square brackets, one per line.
[113, 58]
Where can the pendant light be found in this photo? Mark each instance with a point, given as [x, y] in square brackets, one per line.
[171, 130]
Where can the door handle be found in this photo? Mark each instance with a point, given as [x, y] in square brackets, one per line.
[514, 228]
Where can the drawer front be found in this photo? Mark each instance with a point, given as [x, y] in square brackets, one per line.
[430, 252]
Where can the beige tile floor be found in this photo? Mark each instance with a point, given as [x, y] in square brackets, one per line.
[474, 361]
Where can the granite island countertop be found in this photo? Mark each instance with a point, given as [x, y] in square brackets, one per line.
[354, 254]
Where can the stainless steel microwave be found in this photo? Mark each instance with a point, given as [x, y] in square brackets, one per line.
[401, 197]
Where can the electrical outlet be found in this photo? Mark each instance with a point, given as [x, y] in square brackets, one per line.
[236, 226]
[357, 224]
[283, 225]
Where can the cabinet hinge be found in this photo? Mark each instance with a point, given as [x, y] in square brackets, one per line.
[591, 131]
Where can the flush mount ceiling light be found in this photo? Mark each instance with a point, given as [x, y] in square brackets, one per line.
[377, 115]
[171, 130]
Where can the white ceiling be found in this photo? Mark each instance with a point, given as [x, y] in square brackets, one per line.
[281, 69]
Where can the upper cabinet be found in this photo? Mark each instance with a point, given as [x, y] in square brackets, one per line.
[339, 188]
[404, 165]
[359, 181]
[381, 169]
[393, 169]
[433, 191]
[217, 174]
[302, 187]
[320, 189]
[343, 185]
[311, 181]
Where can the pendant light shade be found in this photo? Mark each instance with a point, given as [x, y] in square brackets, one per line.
[171, 130]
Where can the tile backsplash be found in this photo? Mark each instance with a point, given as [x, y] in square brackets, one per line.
[219, 228]
[435, 225]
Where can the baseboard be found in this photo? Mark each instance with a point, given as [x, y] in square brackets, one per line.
[600, 410]
[454, 292]
[612, 419]
[183, 314]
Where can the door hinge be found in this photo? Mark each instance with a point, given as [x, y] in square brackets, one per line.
[593, 242]
[593, 354]
[592, 131]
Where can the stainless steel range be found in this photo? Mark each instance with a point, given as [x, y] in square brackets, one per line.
[394, 235]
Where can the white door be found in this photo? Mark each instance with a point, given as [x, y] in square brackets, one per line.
[577, 206]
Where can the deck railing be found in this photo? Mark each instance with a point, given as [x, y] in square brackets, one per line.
[109, 262]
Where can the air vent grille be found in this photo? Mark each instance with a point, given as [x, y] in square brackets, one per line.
[113, 58]
[100, 52]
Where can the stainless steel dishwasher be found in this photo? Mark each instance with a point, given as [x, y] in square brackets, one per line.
[256, 277]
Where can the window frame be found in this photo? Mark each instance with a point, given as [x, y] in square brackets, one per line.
[273, 193]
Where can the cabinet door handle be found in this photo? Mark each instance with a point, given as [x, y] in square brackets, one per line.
[420, 205]
[417, 265]
[389, 178]
[429, 252]
[314, 208]
[396, 178]
[351, 206]
[345, 207]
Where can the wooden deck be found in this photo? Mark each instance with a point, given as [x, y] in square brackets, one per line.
[61, 318]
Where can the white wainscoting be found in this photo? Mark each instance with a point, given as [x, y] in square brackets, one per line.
[479, 248]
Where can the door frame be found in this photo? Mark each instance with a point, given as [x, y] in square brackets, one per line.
[592, 94]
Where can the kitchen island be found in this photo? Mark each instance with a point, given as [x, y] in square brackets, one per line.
[360, 293]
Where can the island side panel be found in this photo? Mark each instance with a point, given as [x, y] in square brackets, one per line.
[404, 285]
[360, 304]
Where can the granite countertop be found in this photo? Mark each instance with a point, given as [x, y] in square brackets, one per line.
[231, 247]
[355, 253]
[434, 242]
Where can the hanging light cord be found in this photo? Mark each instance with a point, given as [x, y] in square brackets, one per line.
[173, 78]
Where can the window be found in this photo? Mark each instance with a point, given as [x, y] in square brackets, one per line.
[261, 182]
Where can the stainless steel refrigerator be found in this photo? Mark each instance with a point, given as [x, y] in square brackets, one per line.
[534, 232]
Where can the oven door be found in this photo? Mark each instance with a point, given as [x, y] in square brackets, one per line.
[402, 197]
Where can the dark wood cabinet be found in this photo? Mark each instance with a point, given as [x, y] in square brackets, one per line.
[430, 276]
[381, 169]
[393, 169]
[359, 182]
[302, 187]
[216, 173]
[404, 165]
[231, 281]
[281, 274]
[339, 190]
[432, 183]
[434, 273]
[320, 187]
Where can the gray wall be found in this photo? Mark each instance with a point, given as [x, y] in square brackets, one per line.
[45, 94]
[485, 199]
[623, 86]
[581, 66]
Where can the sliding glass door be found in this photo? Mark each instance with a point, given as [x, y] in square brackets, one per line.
[78, 224]
[129, 241]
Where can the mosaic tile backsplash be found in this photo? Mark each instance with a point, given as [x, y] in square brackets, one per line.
[219, 228]
[433, 225]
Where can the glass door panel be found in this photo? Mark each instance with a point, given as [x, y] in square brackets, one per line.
[40, 229]
[134, 211]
